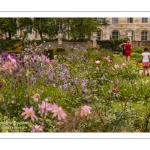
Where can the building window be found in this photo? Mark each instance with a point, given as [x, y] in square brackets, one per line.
[59, 26]
[144, 36]
[29, 28]
[98, 19]
[115, 35]
[129, 20]
[114, 20]
[99, 35]
[144, 20]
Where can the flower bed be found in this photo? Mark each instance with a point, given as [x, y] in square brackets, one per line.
[76, 92]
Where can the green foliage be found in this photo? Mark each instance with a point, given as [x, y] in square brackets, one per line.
[11, 44]
[139, 60]
[137, 50]
[99, 54]
[49, 53]
[77, 28]
[25, 23]
[45, 26]
[112, 44]
[60, 50]
[117, 94]
[135, 55]
[9, 25]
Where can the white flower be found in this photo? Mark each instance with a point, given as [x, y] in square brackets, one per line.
[97, 62]
[116, 66]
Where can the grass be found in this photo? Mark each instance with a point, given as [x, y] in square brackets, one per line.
[139, 107]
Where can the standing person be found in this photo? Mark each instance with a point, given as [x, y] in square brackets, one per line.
[128, 48]
[122, 46]
[145, 61]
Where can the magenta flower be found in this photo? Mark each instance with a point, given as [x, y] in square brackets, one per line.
[45, 59]
[85, 110]
[37, 128]
[58, 111]
[44, 107]
[13, 60]
[29, 112]
[114, 91]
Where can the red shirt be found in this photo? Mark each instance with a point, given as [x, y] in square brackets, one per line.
[128, 46]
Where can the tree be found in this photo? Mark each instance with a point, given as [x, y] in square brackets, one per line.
[102, 21]
[9, 25]
[41, 25]
[52, 29]
[25, 23]
[79, 27]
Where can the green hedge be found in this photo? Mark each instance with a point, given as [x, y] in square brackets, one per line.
[49, 53]
[137, 50]
[9, 44]
[60, 50]
[15, 52]
[112, 44]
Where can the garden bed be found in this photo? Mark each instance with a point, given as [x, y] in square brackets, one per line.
[79, 91]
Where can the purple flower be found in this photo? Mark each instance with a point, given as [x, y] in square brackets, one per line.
[65, 86]
[83, 92]
[86, 101]
[1, 84]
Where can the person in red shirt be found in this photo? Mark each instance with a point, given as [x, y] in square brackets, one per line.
[128, 48]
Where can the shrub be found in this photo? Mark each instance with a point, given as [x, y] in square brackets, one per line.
[49, 53]
[10, 44]
[14, 51]
[137, 50]
[135, 55]
[112, 44]
[139, 60]
[60, 50]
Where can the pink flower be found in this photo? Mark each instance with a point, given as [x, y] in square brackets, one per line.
[44, 107]
[36, 97]
[45, 59]
[116, 82]
[136, 63]
[29, 112]
[37, 128]
[13, 60]
[85, 110]
[97, 62]
[58, 111]
[123, 65]
[109, 60]
[9, 65]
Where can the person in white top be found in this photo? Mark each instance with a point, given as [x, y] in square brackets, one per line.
[145, 61]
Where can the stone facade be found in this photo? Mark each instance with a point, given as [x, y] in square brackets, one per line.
[136, 29]
[124, 28]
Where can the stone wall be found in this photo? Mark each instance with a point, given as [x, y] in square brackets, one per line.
[54, 45]
[141, 44]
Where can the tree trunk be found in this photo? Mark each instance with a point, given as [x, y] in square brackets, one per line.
[41, 36]
[9, 33]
